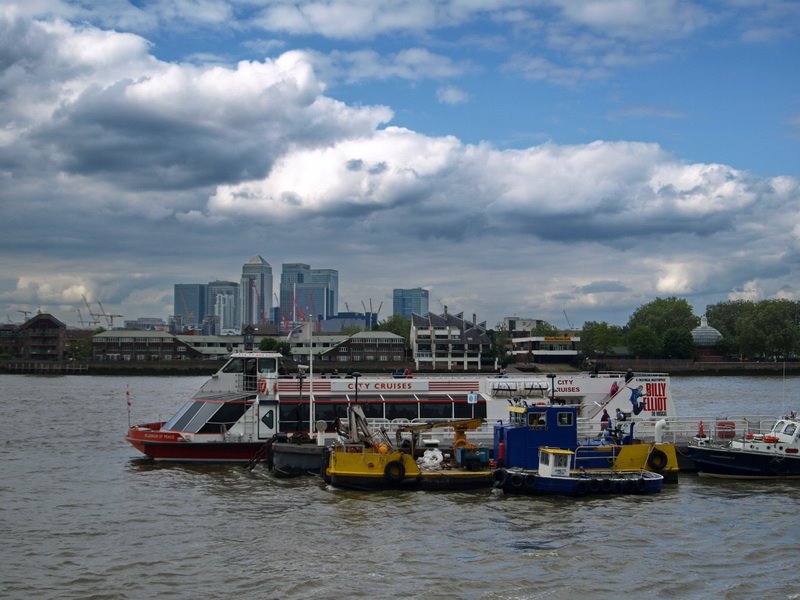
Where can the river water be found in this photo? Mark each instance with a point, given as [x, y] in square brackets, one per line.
[83, 517]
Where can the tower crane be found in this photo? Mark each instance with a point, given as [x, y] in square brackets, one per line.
[25, 313]
[569, 323]
[95, 318]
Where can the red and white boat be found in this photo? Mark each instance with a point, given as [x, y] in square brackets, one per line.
[250, 402]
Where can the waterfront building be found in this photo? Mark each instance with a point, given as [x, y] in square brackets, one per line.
[42, 337]
[255, 292]
[449, 342]
[146, 324]
[561, 348]
[190, 304]
[406, 302]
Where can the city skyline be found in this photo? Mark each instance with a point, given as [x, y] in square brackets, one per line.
[563, 161]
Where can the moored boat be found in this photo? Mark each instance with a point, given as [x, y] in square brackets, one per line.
[556, 474]
[518, 441]
[368, 460]
[774, 455]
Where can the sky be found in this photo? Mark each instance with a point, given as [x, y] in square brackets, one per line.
[562, 160]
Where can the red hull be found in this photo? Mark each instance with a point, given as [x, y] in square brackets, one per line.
[170, 446]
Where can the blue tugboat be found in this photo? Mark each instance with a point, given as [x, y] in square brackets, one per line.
[517, 444]
[555, 475]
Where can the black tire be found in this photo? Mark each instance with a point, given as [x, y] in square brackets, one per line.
[657, 461]
[594, 485]
[516, 480]
[500, 477]
[581, 488]
[605, 486]
[641, 484]
[530, 483]
[395, 472]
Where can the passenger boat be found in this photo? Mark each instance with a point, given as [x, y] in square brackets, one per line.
[517, 443]
[557, 474]
[364, 459]
[774, 455]
[232, 418]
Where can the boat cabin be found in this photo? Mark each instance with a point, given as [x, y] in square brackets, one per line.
[529, 428]
[555, 462]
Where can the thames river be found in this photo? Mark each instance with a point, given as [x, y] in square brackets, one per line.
[82, 516]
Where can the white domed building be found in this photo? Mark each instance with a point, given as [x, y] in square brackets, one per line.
[705, 338]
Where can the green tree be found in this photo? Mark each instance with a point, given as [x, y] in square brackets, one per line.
[600, 338]
[644, 342]
[271, 344]
[677, 343]
[777, 321]
[544, 328]
[398, 325]
[80, 349]
[501, 344]
[662, 314]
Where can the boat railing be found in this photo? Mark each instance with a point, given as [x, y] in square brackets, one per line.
[681, 430]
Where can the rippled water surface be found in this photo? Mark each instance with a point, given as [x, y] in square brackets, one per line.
[82, 516]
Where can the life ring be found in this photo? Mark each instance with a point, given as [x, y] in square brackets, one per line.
[657, 460]
[262, 386]
[770, 439]
[394, 472]
[530, 482]
[516, 480]
[500, 477]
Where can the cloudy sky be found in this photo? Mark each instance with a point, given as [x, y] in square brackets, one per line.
[528, 158]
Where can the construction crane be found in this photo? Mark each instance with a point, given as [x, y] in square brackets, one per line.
[95, 318]
[80, 318]
[25, 313]
[569, 323]
[108, 317]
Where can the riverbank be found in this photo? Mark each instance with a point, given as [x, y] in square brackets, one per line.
[190, 367]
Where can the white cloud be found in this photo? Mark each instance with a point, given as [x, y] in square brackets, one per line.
[451, 95]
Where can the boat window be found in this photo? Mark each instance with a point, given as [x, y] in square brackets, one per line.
[402, 410]
[565, 418]
[372, 410]
[537, 420]
[464, 410]
[436, 410]
[171, 423]
[293, 417]
[267, 365]
[544, 458]
[203, 415]
[330, 412]
[179, 423]
[227, 415]
[778, 426]
[235, 365]
[790, 429]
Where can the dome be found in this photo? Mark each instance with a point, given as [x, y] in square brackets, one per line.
[703, 335]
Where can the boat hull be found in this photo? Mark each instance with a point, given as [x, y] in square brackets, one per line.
[369, 470]
[519, 481]
[169, 446]
[734, 463]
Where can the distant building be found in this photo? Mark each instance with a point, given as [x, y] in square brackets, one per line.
[406, 302]
[521, 325]
[146, 324]
[190, 303]
[561, 348]
[449, 342]
[222, 300]
[256, 292]
[308, 294]
[42, 337]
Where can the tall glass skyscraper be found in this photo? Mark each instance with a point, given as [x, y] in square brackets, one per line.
[308, 294]
[255, 291]
[190, 303]
[407, 301]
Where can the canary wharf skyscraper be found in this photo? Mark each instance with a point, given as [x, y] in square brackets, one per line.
[255, 291]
